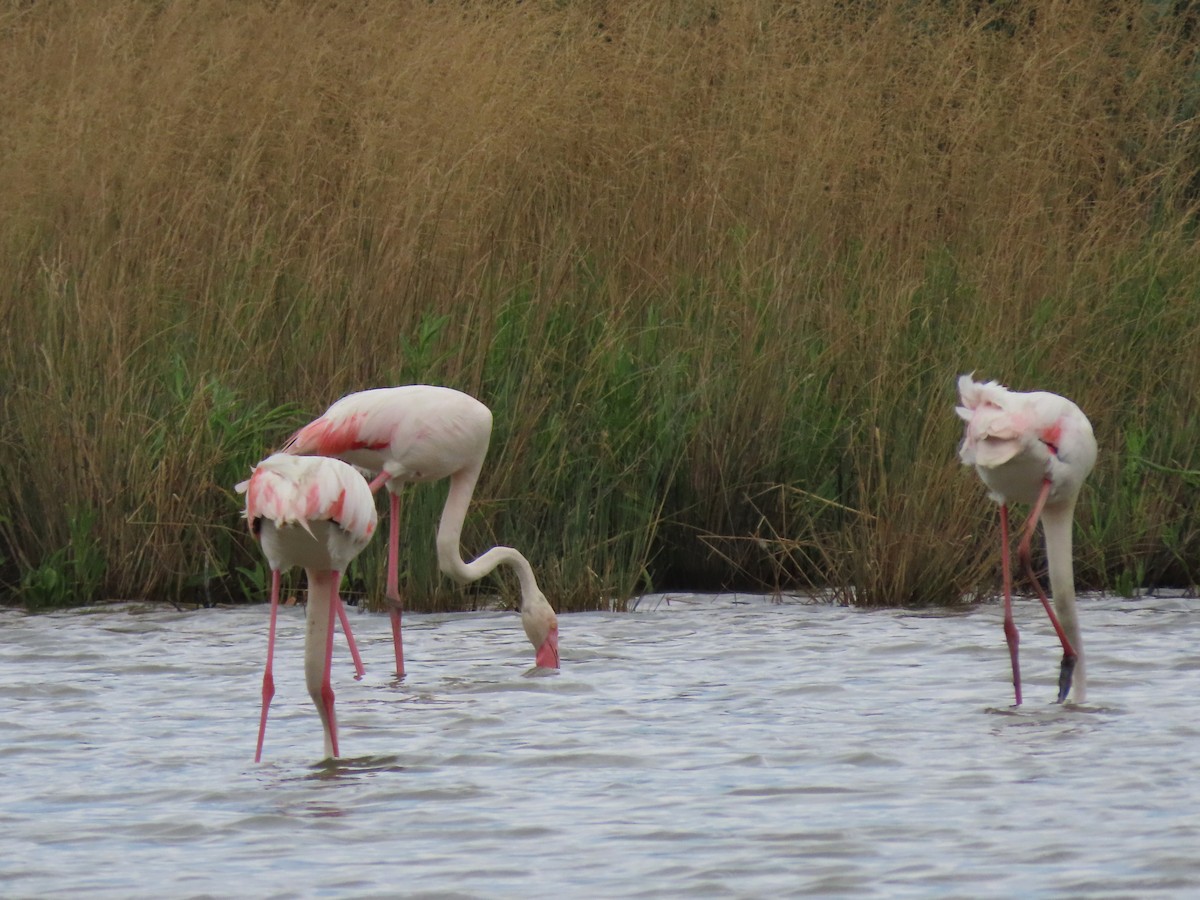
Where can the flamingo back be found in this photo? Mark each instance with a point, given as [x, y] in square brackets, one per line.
[997, 427]
[1017, 439]
[415, 432]
[301, 490]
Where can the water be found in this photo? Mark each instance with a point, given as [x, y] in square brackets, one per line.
[700, 747]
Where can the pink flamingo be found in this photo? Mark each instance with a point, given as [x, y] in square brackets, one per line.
[1034, 448]
[319, 514]
[416, 433]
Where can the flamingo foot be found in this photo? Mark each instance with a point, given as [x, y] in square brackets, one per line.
[392, 590]
[398, 638]
[1065, 673]
[268, 691]
[327, 700]
[1013, 637]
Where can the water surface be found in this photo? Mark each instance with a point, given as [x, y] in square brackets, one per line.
[724, 746]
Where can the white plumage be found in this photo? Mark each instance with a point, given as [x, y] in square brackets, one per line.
[418, 433]
[1034, 448]
[319, 514]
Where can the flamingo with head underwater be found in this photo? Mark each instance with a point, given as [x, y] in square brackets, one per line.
[1034, 448]
[319, 514]
[417, 433]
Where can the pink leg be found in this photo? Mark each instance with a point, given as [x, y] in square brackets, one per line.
[393, 575]
[268, 685]
[326, 685]
[1010, 627]
[358, 663]
[1069, 655]
[393, 580]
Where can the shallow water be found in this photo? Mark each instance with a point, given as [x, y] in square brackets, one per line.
[699, 746]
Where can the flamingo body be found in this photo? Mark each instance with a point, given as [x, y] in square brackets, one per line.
[310, 511]
[316, 513]
[414, 433]
[1015, 440]
[419, 433]
[1034, 448]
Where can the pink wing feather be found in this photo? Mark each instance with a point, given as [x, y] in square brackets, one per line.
[997, 426]
[1000, 424]
[296, 490]
[362, 421]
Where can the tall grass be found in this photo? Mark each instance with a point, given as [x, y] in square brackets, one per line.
[714, 267]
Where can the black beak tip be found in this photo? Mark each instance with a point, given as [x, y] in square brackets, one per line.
[1065, 673]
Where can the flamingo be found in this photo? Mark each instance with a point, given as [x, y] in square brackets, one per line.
[316, 513]
[416, 433]
[1034, 448]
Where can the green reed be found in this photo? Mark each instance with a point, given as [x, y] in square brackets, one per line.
[715, 269]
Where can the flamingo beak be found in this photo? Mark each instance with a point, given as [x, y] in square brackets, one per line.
[1066, 670]
[547, 654]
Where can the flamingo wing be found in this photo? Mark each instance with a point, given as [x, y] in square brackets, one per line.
[357, 422]
[296, 490]
[997, 424]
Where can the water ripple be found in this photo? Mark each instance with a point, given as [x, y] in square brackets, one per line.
[727, 746]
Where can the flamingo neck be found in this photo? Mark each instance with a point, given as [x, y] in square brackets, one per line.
[449, 537]
[318, 647]
[1056, 526]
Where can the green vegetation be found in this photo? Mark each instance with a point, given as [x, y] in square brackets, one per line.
[714, 267]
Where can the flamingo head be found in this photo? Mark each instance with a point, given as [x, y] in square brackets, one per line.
[541, 627]
[547, 653]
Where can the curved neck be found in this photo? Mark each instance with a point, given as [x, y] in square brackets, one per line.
[1056, 526]
[449, 537]
[318, 647]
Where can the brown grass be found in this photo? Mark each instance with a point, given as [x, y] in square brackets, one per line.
[716, 262]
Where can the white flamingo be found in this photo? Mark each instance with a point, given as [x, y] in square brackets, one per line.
[319, 514]
[416, 433]
[1034, 448]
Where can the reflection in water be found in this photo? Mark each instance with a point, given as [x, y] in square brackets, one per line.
[700, 746]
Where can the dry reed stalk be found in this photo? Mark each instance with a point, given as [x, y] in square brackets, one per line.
[684, 250]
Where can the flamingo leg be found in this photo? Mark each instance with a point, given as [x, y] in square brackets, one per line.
[1011, 635]
[393, 579]
[268, 684]
[1067, 669]
[393, 569]
[326, 678]
[358, 663]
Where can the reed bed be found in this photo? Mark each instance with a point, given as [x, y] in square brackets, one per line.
[714, 266]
